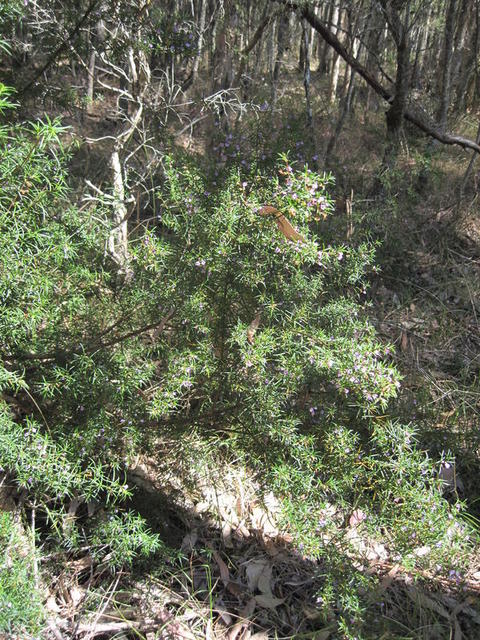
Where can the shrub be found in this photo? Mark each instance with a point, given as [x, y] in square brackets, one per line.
[66, 413]
[20, 603]
[227, 328]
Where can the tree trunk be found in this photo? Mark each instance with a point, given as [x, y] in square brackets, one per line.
[400, 32]
[323, 47]
[336, 22]
[306, 76]
[447, 59]
[282, 35]
[201, 30]
[91, 81]
[346, 105]
[421, 51]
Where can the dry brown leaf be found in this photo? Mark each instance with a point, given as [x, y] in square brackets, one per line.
[244, 614]
[253, 326]
[387, 580]
[76, 595]
[189, 541]
[262, 522]
[227, 535]
[224, 614]
[51, 604]
[239, 506]
[248, 610]
[80, 565]
[202, 507]
[283, 224]
[323, 634]
[260, 635]
[235, 632]
[271, 547]
[224, 572]
[264, 581]
[268, 601]
[254, 571]
[235, 588]
[425, 601]
[311, 613]
[422, 551]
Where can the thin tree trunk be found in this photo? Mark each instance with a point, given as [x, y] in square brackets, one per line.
[117, 241]
[347, 102]
[256, 39]
[421, 50]
[336, 22]
[323, 47]
[201, 31]
[447, 59]
[306, 77]
[91, 81]
[271, 48]
[469, 170]
[282, 33]
[465, 20]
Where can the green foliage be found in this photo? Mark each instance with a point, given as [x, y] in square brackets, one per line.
[273, 351]
[20, 603]
[10, 10]
[256, 341]
[131, 538]
[61, 417]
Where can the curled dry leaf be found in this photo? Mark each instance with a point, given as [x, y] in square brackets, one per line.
[283, 224]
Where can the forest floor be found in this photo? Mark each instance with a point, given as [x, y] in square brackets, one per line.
[239, 576]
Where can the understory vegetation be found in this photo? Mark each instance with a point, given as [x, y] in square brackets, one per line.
[238, 364]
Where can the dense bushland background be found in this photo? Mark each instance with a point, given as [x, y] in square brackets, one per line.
[238, 320]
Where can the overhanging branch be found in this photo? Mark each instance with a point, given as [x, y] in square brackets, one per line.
[415, 118]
